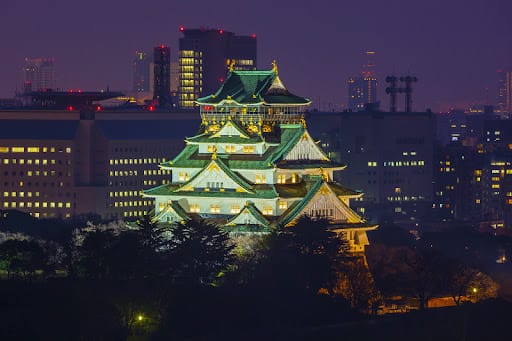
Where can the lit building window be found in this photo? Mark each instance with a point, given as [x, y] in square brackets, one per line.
[18, 149]
[234, 209]
[283, 205]
[249, 149]
[261, 179]
[268, 211]
[214, 208]
[194, 208]
[281, 178]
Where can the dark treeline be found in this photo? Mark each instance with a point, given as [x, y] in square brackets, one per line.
[185, 281]
[193, 281]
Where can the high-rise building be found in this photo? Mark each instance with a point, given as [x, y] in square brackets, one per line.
[362, 90]
[254, 166]
[504, 104]
[162, 76]
[141, 71]
[204, 58]
[38, 74]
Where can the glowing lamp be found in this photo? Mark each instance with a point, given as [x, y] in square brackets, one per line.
[70, 108]
[151, 108]
[98, 108]
[140, 317]
[221, 31]
[182, 28]
[253, 35]
[221, 79]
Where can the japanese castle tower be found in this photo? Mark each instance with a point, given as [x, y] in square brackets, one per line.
[254, 166]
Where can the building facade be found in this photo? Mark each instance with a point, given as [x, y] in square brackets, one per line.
[141, 70]
[38, 74]
[390, 157]
[61, 164]
[254, 166]
[504, 100]
[162, 76]
[204, 57]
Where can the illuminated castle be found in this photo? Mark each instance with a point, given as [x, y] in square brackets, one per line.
[254, 166]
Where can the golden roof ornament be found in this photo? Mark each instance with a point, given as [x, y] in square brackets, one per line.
[214, 154]
[274, 67]
[232, 65]
[324, 175]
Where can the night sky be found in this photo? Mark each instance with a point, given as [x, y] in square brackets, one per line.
[454, 47]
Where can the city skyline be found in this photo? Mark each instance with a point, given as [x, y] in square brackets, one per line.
[454, 52]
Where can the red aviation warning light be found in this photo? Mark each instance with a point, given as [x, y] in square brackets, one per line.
[182, 28]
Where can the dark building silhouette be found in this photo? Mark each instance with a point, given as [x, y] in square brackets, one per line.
[204, 58]
[389, 156]
[141, 72]
[162, 76]
[362, 89]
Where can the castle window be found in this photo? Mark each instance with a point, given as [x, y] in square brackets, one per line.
[283, 205]
[235, 209]
[214, 208]
[281, 179]
[268, 211]
[248, 149]
[261, 179]
[194, 208]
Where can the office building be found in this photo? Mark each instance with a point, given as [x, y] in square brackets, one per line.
[38, 74]
[141, 71]
[60, 164]
[504, 100]
[162, 76]
[389, 157]
[204, 58]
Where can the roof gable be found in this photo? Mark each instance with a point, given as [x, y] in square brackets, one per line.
[172, 213]
[305, 148]
[217, 175]
[231, 129]
[249, 215]
[322, 201]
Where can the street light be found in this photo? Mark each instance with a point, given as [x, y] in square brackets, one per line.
[140, 317]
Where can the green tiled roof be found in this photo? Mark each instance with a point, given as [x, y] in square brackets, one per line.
[259, 191]
[298, 190]
[251, 87]
[189, 157]
[343, 191]
[209, 138]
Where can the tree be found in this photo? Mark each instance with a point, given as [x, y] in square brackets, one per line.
[356, 285]
[458, 278]
[23, 257]
[198, 252]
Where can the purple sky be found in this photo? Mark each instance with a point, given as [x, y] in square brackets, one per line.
[453, 46]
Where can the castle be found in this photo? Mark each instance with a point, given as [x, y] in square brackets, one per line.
[254, 167]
